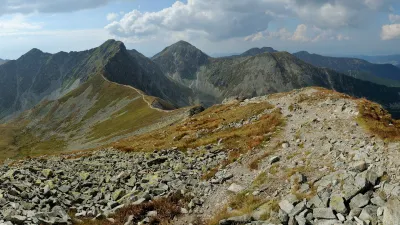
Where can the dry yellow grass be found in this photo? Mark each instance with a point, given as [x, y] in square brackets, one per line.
[209, 127]
[378, 121]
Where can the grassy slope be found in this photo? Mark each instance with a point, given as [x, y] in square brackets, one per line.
[93, 113]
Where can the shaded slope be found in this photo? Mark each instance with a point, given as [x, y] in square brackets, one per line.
[277, 72]
[181, 61]
[385, 74]
[37, 75]
[95, 113]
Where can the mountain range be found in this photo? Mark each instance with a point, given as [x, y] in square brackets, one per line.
[383, 59]
[386, 74]
[79, 100]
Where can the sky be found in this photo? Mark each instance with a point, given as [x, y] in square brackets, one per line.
[217, 27]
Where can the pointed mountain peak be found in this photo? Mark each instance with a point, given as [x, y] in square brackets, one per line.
[33, 53]
[113, 44]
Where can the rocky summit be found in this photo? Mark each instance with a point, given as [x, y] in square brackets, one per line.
[310, 156]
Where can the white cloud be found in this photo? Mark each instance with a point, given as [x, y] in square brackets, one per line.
[15, 24]
[390, 32]
[47, 6]
[224, 19]
[112, 16]
[302, 33]
[393, 18]
[216, 19]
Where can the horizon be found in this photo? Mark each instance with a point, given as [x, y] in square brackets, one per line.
[214, 55]
[332, 28]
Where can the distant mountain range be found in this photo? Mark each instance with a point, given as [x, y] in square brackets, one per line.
[385, 59]
[385, 74]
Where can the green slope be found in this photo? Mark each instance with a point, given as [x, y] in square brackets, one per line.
[97, 112]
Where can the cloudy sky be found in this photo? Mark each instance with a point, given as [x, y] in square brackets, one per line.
[331, 27]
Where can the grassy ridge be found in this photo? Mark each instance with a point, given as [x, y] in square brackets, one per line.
[95, 112]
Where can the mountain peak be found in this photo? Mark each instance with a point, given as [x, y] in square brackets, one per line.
[257, 51]
[189, 57]
[303, 53]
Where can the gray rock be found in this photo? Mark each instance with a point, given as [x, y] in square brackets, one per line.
[369, 213]
[359, 201]
[274, 159]
[323, 213]
[236, 220]
[391, 213]
[286, 206]
[235, 188]
[298, 209]
[358, 166]
[337, 204]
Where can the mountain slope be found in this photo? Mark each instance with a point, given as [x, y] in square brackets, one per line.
[2, 61]
[95, 113]
[385, 74]
[181, 61]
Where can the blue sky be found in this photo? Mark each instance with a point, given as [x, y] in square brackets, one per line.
[331, 27]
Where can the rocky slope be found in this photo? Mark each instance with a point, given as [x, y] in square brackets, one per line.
[385, 74]
[181, 61]
[310, 156]
[254, 52]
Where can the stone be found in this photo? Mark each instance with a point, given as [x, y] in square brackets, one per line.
[152, 213]
[359, 201]
[274, 159]
[358, 166]
[285, 145]
[236, 220]
[129, 221]
[298, 209]
[47, 173]
[118, 194]
[235, 188]
[64, 188]
[286, 206]
[18, 219]
[391, 212]
[323, 213]
[369, 213]
[84, 175]
[337, 204]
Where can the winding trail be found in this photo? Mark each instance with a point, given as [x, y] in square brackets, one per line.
[141, 93]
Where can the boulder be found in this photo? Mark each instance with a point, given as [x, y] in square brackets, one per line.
[337, 204]
[323, 213]
[391, 213]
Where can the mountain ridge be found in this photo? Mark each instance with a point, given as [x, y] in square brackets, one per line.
[385, 74]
